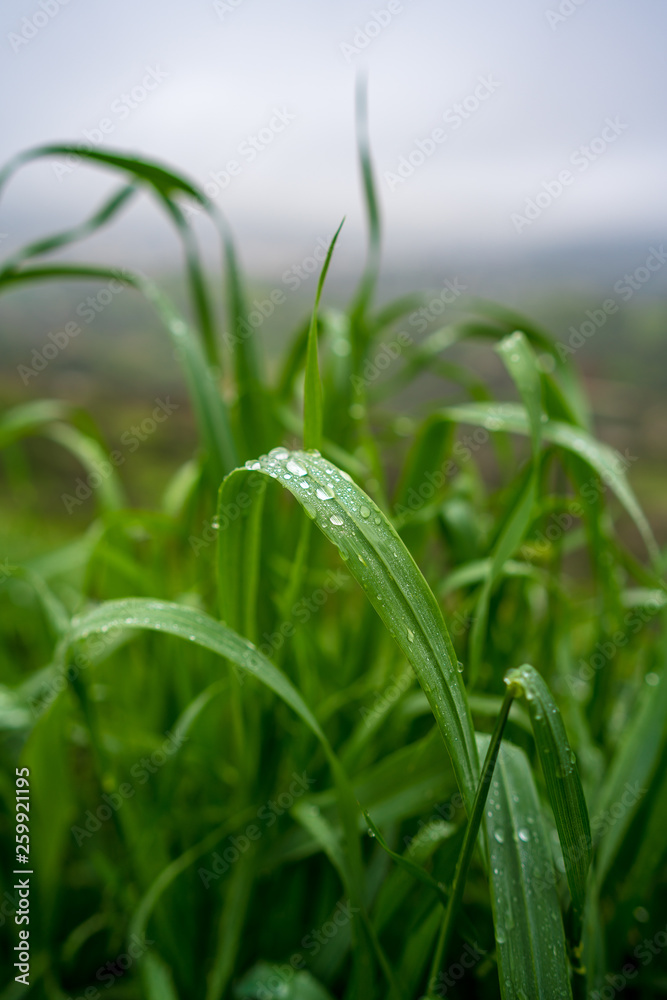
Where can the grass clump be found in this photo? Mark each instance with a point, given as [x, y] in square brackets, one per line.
[260, 765]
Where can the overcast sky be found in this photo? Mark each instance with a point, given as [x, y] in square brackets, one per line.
[481, 106]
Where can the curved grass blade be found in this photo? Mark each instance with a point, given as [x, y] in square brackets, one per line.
[200, 628]
[604, 460]
[206, 400]
[404, 862]
[530, 941]
[380, 562]
[44, 418]
[312, 412]
[562, 780]
[67, 236]
[520, 363]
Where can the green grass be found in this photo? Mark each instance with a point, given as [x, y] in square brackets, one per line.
[260, 764]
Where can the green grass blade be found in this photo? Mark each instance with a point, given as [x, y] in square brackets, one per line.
[370, 275]
[44, 418]
[207, 402]
[107, 212]
[629, 775]
[521, 365]
[312, 413]
[380, 562]
[605, 461]
[530, 941]
[561, 777]
[199, 628]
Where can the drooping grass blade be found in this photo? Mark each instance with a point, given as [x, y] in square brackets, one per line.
[380, 562]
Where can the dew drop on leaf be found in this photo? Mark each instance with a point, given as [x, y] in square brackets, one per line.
[295, 468]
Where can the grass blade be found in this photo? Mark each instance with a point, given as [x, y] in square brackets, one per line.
[605, 461]
[380, 562]
[312, 414]
[562, 779]
[530, 941]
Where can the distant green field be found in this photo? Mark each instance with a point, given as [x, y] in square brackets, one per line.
[411, 744]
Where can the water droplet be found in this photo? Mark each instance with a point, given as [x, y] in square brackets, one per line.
[411, 635]
[364, 511]
[296, 468]
[323, 494]
[499, 836]
[370, 832]
[377, 519]
[524, 835]
[335, 519]
[286, 476]
[279, 453]
[250, 464]
[459, 666]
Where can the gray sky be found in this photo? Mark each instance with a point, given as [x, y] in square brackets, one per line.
[513, 90]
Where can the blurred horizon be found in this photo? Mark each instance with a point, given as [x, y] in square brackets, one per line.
[474, 115]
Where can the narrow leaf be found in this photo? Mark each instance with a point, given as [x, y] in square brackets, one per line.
[561, 776]
[380, 562]
[530, 941]
[312, 416]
